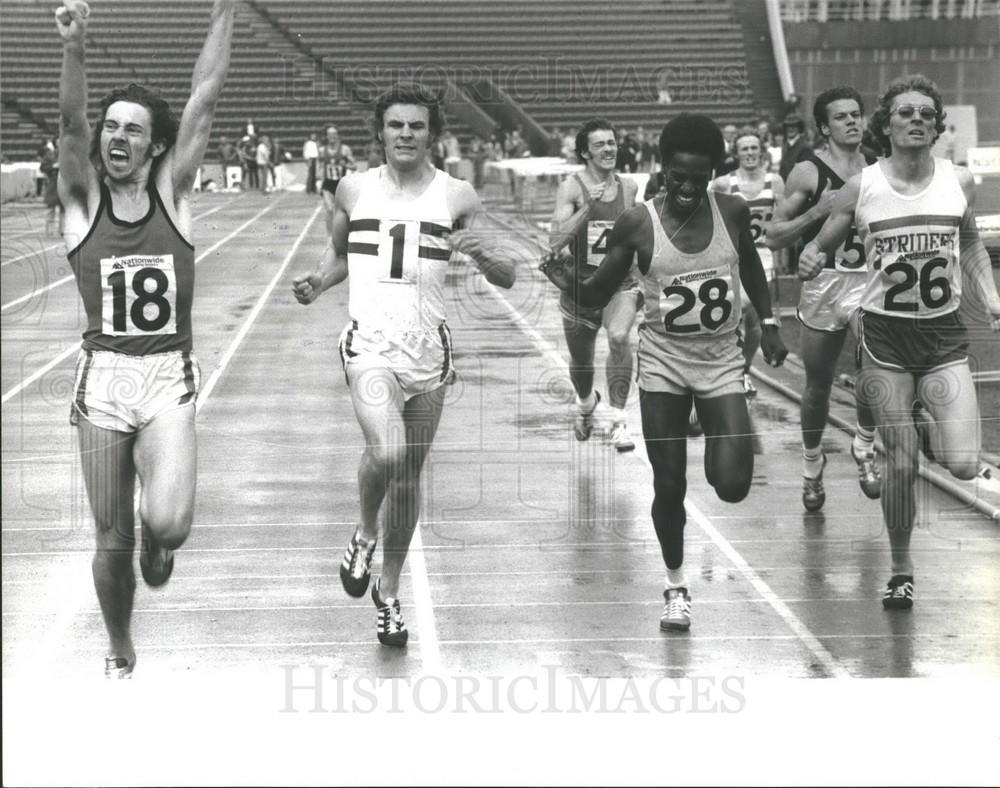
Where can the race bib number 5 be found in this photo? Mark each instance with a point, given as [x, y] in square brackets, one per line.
[139, 295]
[850, 255]
[699, 302]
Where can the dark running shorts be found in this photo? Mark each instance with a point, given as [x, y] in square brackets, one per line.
[329, 186]
[912, 345]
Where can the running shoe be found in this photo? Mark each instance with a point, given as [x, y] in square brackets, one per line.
[813, 494]
[749, 389]
[390, 628]
[869, 473]
[156, 563]
[898, 594]
[356, 568]
[119, 667]
[620, 437]
[676, 613]
[583, 424]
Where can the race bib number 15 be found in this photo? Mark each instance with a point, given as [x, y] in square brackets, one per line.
[138, 295]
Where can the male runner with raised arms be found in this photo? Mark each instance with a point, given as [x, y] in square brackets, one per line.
[591, 201]
[828, 304]
[693, 249]
[127, 186]
[914, 215]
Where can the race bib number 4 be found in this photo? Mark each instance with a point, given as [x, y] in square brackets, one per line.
[698, 302]
[139, 295]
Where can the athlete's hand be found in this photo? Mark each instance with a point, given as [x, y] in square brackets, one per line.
[307, 288]
[559, 268]
[811, 261]
[824, 206]
[71, 20]
[772, 347]
[993, 310]
[468, 243]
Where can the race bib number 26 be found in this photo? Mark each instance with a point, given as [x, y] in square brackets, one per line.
[138, 295]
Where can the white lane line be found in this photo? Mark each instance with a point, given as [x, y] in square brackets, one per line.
[76, 348]
[70, 277]
[207, 389]
[12, 260]
[430, 652]
[791, 620]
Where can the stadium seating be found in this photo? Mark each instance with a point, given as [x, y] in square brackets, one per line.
[300, 64]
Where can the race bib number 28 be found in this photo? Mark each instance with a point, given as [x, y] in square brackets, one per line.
[699, 302]
[138, 295]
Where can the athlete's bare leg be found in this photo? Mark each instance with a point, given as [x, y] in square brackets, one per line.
[166, 459]
[949, 395]
[109, 476]
[618, 318]
[890, 394]
[580, 341]
[421, 417]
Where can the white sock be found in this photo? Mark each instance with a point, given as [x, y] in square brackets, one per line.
[618, 416]
[675, 578]
[812, 462]
[588, 404]
[864, 441]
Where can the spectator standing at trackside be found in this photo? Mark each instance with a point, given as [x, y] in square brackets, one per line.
[731, 160]
[628, 154]
[310, 153]
[796, 144]
[46, 153]
[452, 153]
[948, 141]
[248, 158]
[479, 152]
[263, 159]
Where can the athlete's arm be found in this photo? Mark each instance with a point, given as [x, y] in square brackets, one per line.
[720, 184]
[466, 206]
[566, 217]
[597, 290]
[790, 218]
[754, 281]
[975, 260]
[332, 269]
[833, 232]
[77, 179]
[207, 80]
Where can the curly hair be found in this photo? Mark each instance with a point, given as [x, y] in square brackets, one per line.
[583, 135]
[689, 133]
[164, 120]
[410, 93]
[908, 83]
[826, 98]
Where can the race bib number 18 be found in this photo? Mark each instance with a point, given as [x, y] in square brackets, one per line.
[139, 295]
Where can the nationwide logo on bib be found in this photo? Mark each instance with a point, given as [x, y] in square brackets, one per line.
[694, 276]
[138, 295]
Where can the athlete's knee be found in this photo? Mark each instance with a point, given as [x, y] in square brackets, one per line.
[619, 341]
[170, 528]
[733, 488]
[962, 466]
